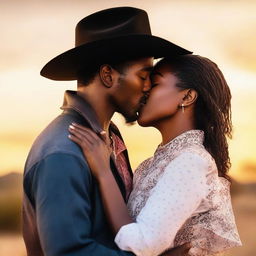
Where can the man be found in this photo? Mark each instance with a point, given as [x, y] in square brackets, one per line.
[62, 208]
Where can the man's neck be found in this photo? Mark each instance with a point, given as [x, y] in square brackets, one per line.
[100, 105]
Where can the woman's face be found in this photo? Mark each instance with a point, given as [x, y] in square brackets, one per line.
[165, 97]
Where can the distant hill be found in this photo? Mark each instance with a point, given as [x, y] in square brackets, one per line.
[238, 188]
[10, 202]
[11, 196]
[11, 182]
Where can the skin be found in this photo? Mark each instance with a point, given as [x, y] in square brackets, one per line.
[168, 117]
[112, 92]
[164, 106]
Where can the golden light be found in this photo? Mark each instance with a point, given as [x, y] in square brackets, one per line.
[222, 31]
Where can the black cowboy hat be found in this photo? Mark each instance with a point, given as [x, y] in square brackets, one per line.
[112, 34]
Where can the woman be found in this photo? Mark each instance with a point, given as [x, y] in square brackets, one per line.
[181, 194]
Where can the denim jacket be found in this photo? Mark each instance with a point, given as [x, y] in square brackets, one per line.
[63, 213]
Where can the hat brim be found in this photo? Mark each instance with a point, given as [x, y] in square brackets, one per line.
[66, 65]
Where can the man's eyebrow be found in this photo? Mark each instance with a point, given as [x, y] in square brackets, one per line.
[156, 73]
[148, 69]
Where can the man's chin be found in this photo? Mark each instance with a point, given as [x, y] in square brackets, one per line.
[130, 119]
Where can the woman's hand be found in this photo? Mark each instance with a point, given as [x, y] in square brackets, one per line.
[182, 250]
[95, 149]
[97, 154]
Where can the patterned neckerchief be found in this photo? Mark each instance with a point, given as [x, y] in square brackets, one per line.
[121, 164]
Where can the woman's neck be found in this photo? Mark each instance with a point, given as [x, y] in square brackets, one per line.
[173, 127]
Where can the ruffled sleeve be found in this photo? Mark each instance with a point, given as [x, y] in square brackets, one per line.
[177, 194]
[213, 231]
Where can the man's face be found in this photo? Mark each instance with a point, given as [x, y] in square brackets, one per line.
[132, 88]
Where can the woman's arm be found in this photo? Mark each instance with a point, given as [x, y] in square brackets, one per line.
[175, 197]
[113, 202]
[98, 157]
[152, 233]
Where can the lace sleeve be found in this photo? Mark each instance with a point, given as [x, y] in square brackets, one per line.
[213, 231]
[175, 197]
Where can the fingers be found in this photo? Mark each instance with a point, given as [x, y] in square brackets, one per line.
[85, 129]
[187, 246]
[181, 250]
[82, 134]
[184, 249]
[81, 138]
[103, 134]
[82, 142]
[75, 139]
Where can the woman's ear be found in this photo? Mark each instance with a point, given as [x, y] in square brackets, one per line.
[190, 97]
[106, 75]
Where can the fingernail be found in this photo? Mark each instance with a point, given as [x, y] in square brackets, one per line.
[71, 127]
[70, 136]
[73, 123]
[102, 132]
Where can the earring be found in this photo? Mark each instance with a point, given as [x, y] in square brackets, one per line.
[182, 107]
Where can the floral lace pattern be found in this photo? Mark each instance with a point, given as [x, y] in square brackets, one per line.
[149, 171]
[212, 228]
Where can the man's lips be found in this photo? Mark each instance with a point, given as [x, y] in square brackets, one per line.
[144, 99]
[143, 102]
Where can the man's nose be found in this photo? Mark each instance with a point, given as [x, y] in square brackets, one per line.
[147, 85]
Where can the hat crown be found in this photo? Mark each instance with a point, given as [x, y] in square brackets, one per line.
[114, 22]
[115, 34]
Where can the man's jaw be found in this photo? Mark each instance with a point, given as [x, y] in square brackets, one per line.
[131, 118]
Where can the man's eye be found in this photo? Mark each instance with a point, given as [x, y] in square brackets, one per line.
[153, 85]
[143, 78]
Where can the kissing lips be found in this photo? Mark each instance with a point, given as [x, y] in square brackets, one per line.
[142, 103]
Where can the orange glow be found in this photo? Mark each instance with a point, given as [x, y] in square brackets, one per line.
[222, 31]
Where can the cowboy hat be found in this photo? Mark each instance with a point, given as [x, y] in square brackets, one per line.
[112, 34]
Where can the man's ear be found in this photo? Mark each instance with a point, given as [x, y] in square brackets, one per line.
[190, 97]
[106, 75]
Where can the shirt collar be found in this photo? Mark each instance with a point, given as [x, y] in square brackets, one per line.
[190, 137]
[73, 101]
[119, 145]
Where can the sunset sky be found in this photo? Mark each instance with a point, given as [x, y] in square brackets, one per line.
[34, 31]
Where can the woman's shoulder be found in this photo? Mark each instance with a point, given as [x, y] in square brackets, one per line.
[200, 153]
[143, 165]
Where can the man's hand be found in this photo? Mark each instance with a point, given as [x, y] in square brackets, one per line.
[178, 251]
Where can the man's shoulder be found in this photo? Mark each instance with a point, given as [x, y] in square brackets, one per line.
[54, 139]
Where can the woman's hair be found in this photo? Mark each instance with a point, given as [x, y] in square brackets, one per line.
[212, 107]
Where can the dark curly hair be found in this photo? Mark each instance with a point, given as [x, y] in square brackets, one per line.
[213, 105]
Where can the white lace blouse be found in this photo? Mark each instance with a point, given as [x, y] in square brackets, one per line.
[178, 197]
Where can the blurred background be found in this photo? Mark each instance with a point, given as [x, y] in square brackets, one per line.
[34, 31]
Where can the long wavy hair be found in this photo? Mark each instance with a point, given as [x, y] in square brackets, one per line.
[213, 105]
